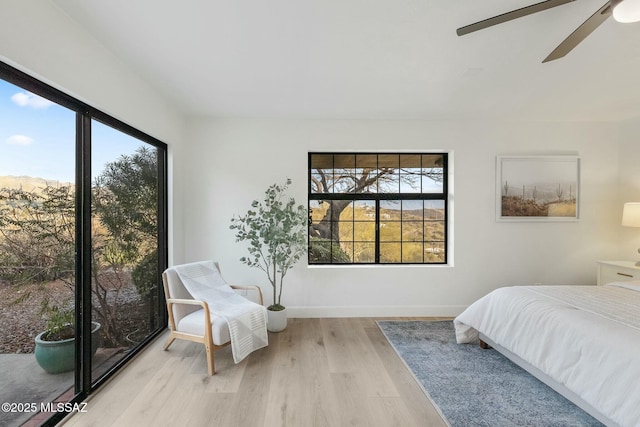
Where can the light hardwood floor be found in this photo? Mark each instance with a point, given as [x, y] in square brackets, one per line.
[318, 372]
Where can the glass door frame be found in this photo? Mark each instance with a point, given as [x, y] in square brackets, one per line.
[83, 186]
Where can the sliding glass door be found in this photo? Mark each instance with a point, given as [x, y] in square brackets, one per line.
[37, 252]
[82, 247]
[125, 222]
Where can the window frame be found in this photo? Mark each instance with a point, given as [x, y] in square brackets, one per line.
[379, 197]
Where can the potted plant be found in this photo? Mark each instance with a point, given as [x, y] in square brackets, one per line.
[55, 347]
[276, 231]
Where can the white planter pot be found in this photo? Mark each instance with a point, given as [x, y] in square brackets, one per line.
[276, 320]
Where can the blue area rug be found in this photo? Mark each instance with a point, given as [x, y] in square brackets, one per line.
[476, 387]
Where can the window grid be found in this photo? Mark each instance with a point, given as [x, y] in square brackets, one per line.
[367, 186]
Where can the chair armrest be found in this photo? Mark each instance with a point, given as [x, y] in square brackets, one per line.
[250, 288]
[187, 302]
[203, 304]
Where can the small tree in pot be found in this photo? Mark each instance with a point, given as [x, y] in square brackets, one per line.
[276, 230]
[55, 347]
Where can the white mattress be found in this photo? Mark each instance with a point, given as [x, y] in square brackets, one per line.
[586, 338]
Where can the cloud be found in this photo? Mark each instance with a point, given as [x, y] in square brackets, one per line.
[19, 140]
[28, 99]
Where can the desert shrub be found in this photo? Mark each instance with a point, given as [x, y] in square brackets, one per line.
[323, 251]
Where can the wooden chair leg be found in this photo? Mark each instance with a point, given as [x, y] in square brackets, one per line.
[210, 358]
[169, 342]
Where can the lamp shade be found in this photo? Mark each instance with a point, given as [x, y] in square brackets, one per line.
[626, 10]
[631, 214]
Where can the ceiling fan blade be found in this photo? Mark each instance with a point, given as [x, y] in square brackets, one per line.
[580, 33]
[514, 14]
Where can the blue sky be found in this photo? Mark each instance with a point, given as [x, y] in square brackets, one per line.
[37, 138]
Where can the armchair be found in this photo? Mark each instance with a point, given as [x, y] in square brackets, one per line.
[191, 319]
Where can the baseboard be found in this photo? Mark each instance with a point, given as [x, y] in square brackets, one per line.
[376, 311]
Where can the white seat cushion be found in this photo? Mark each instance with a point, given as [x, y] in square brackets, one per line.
[194, 324]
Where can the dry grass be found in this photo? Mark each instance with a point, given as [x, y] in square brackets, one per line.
[563, 209]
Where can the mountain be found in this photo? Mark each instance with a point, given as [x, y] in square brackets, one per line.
[28, 183]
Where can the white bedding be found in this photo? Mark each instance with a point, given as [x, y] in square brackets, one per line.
[586, 338]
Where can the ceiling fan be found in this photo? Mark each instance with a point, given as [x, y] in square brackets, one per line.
[623, 11]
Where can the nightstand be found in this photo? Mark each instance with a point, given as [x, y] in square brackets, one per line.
[617, 271]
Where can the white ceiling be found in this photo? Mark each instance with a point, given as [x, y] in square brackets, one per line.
[379, 59]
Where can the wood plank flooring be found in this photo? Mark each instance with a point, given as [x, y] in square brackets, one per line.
[318, 372]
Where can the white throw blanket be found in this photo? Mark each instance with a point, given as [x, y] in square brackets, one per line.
[611, 301]
[247, 320]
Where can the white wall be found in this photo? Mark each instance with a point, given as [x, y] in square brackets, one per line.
[228, 163]
[231, 162]
[37, 38]
[629, 184]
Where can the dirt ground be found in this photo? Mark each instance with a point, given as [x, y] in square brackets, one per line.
[22, 320]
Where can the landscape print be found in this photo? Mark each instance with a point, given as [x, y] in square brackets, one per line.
[537, 188]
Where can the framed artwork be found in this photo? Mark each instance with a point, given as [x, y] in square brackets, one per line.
[537, 188]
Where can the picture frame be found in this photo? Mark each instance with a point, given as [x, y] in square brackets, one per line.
[537, 188]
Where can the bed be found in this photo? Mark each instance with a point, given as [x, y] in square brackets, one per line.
[583, 341]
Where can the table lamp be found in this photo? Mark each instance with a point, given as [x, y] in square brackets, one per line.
[631, 217]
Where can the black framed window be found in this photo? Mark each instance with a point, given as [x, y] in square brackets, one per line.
[83, 233]
[378, 208]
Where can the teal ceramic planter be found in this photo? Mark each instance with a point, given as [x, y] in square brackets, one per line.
[56, 357]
